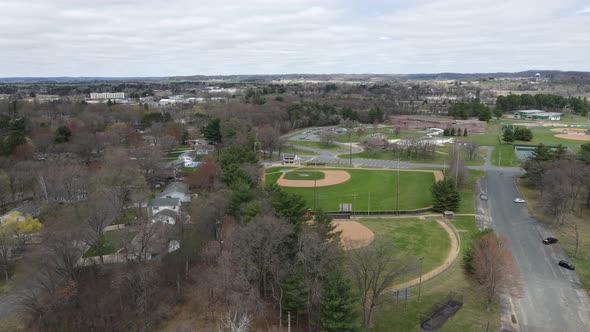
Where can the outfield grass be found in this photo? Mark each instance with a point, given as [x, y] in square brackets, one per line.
[374, 187]
[413, 237]
[402, 316]
[304, 175]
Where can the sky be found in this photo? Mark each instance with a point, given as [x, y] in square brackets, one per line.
[125, 38]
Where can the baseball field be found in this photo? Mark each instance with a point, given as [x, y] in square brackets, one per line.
[366, 189]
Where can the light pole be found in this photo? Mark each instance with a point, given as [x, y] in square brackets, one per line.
[350, 145]
[421, 259]
[397, 194]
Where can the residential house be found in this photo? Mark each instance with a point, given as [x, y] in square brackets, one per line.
[26, 209]
[160, 204]
[177, 190]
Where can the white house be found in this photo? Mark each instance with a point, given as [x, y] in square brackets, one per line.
[160, 204]
[290, 159]
[165, 216]
[178, 190]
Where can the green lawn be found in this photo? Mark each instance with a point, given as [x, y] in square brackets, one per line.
[467, 204]
[413, 237]
[304, 175]
[508, 156]
[293, 150]
[440, 157]
[113, 241]
[394, 316]
[374, 187]
[389, 132]
[317, 145]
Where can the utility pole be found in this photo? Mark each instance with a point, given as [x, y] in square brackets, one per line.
[315, 182]
[456, 167]
[350, 145]
[397, 185]
[421, 259]
[369, 205]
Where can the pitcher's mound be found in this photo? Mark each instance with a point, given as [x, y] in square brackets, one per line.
[354, 235]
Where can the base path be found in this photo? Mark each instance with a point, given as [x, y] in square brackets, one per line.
[449, 260]
[331, 178]
[354, 234]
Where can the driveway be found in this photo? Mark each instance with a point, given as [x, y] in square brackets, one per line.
[554, 299]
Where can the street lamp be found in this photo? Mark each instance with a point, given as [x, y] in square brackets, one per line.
[421, 259]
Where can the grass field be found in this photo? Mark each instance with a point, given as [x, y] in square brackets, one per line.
[440, 157]
[373, 190]
[317, 145]
[304, 175]
[388, 132]
[508, 156]
[467, 204]
[394, 316]
[413, 237]
[113, 241]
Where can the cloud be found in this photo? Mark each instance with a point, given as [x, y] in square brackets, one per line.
[184, 37]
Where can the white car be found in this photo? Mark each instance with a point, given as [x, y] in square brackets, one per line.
[519, 200]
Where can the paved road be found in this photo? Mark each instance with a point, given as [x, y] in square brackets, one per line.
[553, 297]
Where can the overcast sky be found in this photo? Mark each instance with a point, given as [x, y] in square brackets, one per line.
[186, 37]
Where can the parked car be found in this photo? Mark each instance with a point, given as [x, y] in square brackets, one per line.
[483, 197]
[550, 240]
[519, 200]
[567, 265]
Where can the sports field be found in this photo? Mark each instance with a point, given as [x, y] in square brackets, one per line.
[366, 190]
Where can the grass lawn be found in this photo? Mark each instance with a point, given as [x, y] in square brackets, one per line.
[389, 132]
[317, 145]
[304, 175]
[467, 204]
[562, 232]
[413, 237]
[440, 157]
[113, 241]
[377, 187]
[393, 316]
[508, 158]
[293, 150]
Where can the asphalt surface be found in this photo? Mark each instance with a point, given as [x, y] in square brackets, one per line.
[553, 298]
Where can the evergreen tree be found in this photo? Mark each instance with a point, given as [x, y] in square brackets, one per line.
[452, 131]
[465, 132]
[584, 154]
[446, 132]
[446, 196]
[542, 153]
[289, 206]
[323, 223]
[337, 311]
[212, 131]
[508, 135]
[62, 135]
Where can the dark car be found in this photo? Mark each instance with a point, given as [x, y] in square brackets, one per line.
[550, 240]
[483, 197]
[567, 265]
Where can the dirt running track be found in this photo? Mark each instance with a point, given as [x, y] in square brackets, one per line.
[331, 178]
[354, 235]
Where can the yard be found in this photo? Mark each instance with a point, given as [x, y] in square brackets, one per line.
[112, 242]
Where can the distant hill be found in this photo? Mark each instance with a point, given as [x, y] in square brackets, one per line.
[563, 75]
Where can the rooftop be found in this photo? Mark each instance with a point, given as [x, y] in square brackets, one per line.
[164, 201]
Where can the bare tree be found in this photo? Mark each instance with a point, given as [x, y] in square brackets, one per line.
[457, 170]
[327, 137]
[374, 268]
[471, 149]
[495, 268]
[103, 208]
[269, 138]
[235, 322]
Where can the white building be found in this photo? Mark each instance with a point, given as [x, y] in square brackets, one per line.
[164, 209]
[291, 159]
[178, 190]
[107, 95]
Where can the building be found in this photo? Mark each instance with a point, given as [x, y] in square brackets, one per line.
[107, 95]
[291, 159]
[176, 190]
[30, 208]
[537, 115]
[157, 205]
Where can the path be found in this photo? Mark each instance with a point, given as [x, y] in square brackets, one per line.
[448, 262]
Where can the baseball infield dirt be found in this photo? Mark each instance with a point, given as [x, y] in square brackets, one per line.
[354, 235]
[575, 137]
[331, 178]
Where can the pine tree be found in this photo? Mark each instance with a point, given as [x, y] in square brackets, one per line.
[452, 131]
[62, 134]
[337, 311]
[465, 132]
[508, 135]
[212, 131]
[446, 197]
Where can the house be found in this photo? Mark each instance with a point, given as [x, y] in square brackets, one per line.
[165, 216]
[152, 243]
[177, 190]
[163, 203]
[291, 159]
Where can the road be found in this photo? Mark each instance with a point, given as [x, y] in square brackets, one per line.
[554, 299]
